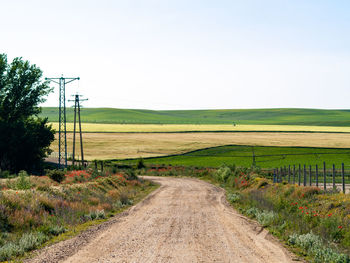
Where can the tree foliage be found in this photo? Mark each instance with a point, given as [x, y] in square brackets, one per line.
[24, 137]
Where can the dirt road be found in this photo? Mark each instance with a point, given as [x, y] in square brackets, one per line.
[185, 220]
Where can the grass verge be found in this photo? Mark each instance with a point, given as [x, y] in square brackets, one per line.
[36, 211]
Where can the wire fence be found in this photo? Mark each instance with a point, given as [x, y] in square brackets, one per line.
[328, 177]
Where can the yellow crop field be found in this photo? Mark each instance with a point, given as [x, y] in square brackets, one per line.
[101, 127]
[133, 145]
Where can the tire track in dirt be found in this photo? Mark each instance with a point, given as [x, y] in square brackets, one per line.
[185, 220]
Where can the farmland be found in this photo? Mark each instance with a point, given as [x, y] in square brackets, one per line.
[135, 145]
[303, 117]
[265, 157]
[103, 127]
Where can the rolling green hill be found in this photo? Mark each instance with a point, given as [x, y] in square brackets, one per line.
[314, 117]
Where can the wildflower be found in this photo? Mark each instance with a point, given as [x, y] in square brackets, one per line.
[330, 214]
[340, 227]
[300, 207]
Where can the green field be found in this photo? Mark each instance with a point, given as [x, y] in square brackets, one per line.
[265, 157]
[304, 117]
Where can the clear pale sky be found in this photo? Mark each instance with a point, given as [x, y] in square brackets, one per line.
[187, 54]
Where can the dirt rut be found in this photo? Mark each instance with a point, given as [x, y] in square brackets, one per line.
[185, 220]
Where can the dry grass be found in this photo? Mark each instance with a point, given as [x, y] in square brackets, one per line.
[98, 127]
[133, 145]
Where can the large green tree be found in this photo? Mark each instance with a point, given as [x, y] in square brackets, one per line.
[24, 137]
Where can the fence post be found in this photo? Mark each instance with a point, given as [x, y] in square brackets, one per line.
[299, 175]
[274, 175]
[316, 175]
[95, 165]
[293, 173]
[289, 174]
[101, 166]
[343, 177]
[310, 175]
[324, 176]
[279, 174]
[333, 177]
[282, 175]
[304, 175]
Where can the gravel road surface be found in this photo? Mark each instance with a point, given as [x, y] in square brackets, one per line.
[185, 220]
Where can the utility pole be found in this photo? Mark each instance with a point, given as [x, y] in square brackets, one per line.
[77, 110]
[62, 130]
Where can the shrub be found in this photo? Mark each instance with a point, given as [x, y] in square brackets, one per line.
[312, 244]
[5, 174]
[118, 204]
[265, 218]
[23, 182]
[233, 197]
[130, 175]
[56, 175]
[53, 230]
[252, 212]
[9, 250]
[140, 164]
[98, 214]
[223, 173]
[29, 241]
[124, 198]
[4, 222]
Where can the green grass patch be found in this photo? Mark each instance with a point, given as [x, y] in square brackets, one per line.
[265, 157]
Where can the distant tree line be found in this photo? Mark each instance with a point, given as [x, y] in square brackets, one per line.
[24, 137]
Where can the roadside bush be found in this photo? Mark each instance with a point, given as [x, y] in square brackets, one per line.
[5, 174]
[233, 197]
[265, 218]
[118, 204]
[9, 250]
[53, 230]
[223, 173]
[313, 245]
[4, 222]
[56, 175]
[22, 182]
[252, 212]
[93, 215]
[28, 241]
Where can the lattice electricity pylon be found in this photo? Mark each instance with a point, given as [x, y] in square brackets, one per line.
[62, 128]
[77, 109]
